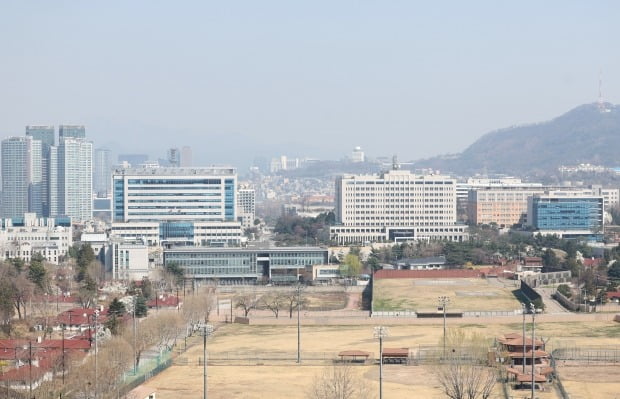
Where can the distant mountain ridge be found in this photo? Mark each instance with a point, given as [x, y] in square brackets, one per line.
[586, 134]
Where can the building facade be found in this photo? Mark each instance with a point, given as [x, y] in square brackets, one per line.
[74, 131]
[174, 194]
[22, 176]
[503, 205]
[566, 213]
[127, 260]
[21, 237]
[278, 265]
[181, 233]
[102, 172]
[394, 206]
[74, 182]
[246, 207]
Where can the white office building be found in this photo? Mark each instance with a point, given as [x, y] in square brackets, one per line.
[127, 260]
[395, 206]
[23, 236]
[176, 206]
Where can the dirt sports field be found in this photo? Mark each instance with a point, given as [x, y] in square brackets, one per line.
[466, 294]
[261, 372]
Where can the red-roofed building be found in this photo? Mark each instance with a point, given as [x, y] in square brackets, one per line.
[592, 262]
[164, 301]
[613, 296]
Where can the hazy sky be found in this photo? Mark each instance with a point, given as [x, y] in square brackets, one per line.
[235, 79]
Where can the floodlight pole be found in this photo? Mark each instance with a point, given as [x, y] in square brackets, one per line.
[524, 312]
[533, 309]
[444, 301]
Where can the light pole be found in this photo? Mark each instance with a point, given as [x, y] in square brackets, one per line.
[298, 288]
[443, 302]
[524, 312]
[380, 333]
[533, 309]
[207, 329]
[96, 316]
[135, 363]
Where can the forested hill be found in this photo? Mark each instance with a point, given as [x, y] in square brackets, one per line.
[583, 135]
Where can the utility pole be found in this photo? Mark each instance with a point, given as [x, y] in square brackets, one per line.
[135, 364]
[380, 332]
[524, 312]
[207, 329]
[443, 302]
[533, 308]
[299, 288]
[96, 314]
[30, 365]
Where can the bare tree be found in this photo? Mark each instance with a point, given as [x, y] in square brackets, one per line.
[464, 373]
[247, 302]
[198, 308]
[274, 302]
[338, 382]
[292, 301]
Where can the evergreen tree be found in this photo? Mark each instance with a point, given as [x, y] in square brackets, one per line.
[141, 308]
[117, 308]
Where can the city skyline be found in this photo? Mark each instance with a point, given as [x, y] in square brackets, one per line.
[303, 80]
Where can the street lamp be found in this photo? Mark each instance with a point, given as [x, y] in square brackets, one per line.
[533, 309]
[207, 329]
[380, 333]
[443, 302]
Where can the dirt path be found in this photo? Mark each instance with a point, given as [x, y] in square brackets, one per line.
[353, 301]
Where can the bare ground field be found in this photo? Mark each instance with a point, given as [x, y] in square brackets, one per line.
[591, 381]
[472, 294]
[260, 378]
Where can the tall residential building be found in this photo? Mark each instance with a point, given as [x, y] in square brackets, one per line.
[22, 176]
[46, 135]
[102, 172]
[73, 187]
[396, 205]
[174, 157]
[75, 131]
[186, 157]
[246, 206]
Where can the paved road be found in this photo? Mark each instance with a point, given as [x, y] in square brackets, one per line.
[551, 305]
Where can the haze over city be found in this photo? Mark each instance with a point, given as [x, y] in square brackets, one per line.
[245, 79]
[309, 200]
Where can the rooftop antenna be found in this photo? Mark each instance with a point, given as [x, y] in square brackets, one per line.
[601, 104]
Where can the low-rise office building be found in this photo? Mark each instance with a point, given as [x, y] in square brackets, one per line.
[278, 265]
[21, 237]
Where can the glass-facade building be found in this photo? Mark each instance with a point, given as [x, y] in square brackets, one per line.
[566, 213]
[278, 265]
[174, 195]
